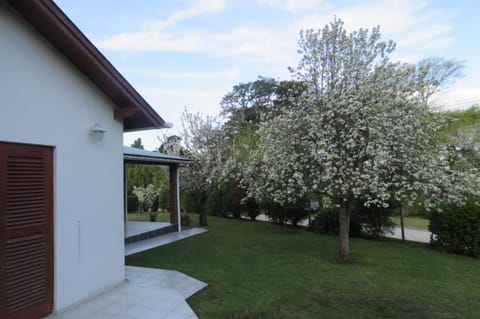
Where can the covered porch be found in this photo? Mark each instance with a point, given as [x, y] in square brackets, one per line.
[144, 230]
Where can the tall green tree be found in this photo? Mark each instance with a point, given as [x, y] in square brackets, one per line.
[248, 103]
[137, 143]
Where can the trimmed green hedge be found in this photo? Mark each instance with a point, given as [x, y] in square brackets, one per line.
[456, 228]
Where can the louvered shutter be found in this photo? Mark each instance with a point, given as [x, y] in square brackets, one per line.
[26, 231]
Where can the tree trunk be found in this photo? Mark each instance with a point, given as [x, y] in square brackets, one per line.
[202, 218]
[344, 219]
[401, 223]
[200, 201]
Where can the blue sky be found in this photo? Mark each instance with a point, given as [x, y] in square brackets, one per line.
[189, 53]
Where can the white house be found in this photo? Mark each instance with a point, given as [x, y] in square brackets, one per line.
[61, 182]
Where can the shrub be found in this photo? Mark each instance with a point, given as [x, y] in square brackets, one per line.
[187, 202]
[376, 221]
[185, 220]
[132, 204]
[164, 199]
[371, 222]
[219, 201]
[456, 228]
[153, 216]
[242, 205]
[250, 208]
[326, 222]
[292, 213]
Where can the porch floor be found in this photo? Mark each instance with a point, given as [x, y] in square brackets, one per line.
[148, 294]
[143, 245]
[137, 228]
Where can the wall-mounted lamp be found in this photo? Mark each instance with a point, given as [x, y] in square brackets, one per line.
[98, 132]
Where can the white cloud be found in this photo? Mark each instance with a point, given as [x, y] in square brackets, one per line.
[201, 7]
[293, 5]
[410, 23]
[404, 21]
[170, 104]
[437, 43]
[223, 74]
[258, 42]
[425, 34]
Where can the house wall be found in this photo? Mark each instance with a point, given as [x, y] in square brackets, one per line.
[45, 100]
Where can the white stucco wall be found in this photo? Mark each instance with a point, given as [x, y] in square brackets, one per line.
[45, 100]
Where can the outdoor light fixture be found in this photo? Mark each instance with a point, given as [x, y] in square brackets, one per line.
[98, 132]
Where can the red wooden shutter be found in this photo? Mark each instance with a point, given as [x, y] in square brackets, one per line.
[26, 231]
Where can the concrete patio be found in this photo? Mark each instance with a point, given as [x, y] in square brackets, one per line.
[147, 294]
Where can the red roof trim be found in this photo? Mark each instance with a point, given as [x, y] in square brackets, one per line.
[49, 20]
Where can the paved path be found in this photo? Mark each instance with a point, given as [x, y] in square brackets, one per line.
[411, 235]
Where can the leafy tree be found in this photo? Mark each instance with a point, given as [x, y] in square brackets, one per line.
[137, 143]
[248, 102]
[463, 133]
[360, 132]
[172, 145]
[434, 74]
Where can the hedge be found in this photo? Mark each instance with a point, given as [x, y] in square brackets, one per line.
[456, 228]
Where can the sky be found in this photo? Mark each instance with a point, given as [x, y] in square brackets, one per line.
[187, 54]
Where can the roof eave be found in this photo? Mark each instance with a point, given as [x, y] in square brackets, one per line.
[50, 21]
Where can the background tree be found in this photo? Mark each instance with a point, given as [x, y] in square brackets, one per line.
[204, 143]
[146, 198]
[435, 74]
[463, 133]
[137, 143]
[248, 103]
[141, 175]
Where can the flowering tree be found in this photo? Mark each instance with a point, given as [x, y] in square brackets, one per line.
[361, 131]
[204, 144]
[146, 197]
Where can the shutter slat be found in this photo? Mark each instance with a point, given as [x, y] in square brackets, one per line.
[26, 211]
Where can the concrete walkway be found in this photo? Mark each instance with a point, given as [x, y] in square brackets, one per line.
[420, 236]
[147, 294]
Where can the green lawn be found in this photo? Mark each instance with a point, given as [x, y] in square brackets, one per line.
[413, 222]
[261, 270]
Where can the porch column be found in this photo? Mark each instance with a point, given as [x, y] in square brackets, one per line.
[125, 198]
[174, 204]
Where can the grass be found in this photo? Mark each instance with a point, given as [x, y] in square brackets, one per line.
[260, 270]
[418, 223]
